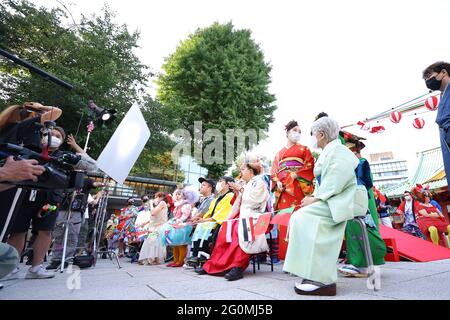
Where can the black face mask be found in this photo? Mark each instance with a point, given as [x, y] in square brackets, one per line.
[433, 83]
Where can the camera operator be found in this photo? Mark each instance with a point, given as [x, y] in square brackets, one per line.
[33, 210]
[86, 231]
[21, 124]
[36, 203]
[76, 219]
[15, 171]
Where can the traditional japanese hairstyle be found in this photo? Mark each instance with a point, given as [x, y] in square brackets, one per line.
[419, 192]
[191, 194]
[254, 162]
[321, 115]
[291, 124]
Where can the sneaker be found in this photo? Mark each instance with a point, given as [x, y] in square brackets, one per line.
[13, 275]
[41, 273]
[188, 266]
[55, 265]
[349, 270]
[192, 259]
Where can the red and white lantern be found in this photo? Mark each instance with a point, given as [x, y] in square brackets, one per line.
[418, 123]
[363, 125]
[395, 117]
[432, 103]
[377, 129]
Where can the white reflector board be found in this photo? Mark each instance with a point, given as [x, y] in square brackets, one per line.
[125, 145]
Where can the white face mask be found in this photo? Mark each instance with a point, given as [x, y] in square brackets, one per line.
[408, 198]
[55, 143]
[294, 136]
[314, 142]
[219, 187]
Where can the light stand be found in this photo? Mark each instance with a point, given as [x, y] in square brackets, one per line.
[98, 228]
[66, 232]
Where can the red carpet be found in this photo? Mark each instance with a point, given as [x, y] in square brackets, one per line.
[413, 248]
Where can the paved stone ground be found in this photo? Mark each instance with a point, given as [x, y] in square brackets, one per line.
[400, 280]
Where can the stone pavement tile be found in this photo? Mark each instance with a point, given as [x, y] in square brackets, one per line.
[418, 266]
[86, 292]
[284, 290]
[209, 284]
[392, 277]
[433, 287]
[232, 294]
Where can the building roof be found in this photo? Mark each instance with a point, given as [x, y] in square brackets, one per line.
[429, 170]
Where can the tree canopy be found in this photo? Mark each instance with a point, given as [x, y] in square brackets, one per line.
[96, 55]
[218, 76]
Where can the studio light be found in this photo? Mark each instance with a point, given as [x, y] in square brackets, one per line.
[102, 116]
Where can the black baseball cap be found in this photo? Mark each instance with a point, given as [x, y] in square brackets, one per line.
[211, 182]
[227, 179]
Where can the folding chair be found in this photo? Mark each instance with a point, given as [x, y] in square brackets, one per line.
[367, 252]
[254, 256]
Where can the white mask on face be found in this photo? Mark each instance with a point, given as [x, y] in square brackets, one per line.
[294, 136]
[314, 142]
[55, 143]
[219, 187]
[408, 198]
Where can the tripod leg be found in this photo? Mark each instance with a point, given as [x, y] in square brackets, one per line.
[19, 195]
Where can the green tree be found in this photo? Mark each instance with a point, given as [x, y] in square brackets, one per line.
[218, 76]
[96, 55]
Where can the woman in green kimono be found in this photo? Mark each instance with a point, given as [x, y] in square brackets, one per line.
[356, 261]
[317, 229]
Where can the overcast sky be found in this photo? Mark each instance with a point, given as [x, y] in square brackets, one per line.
[352, 59]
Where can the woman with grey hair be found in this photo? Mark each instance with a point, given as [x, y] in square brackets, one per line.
[317, 229]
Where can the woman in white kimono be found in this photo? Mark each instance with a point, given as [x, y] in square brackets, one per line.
[153, 251]
[235, 243]
[317, 229]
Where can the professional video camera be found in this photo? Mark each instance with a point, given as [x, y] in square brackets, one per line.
[59, 170]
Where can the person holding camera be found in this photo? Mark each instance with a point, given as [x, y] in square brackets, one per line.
[40, 208]
[78, 207]
[21, 124]
[15, 171]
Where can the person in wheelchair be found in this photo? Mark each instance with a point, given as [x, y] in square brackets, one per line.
[209, 224]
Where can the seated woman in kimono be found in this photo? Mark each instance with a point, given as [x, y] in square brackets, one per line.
[317, 229]
[234, 244]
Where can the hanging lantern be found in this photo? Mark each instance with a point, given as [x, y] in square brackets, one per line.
[395, 117]
[418, 123]
[432, 103]
[377, 129]
[364, 126]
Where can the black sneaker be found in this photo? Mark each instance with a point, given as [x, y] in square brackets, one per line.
[55, 265]
[200, 271]
[234, 274]
[192, 260]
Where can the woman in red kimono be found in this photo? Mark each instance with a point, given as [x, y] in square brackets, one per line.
[292, 170]
[231, 253]
[431, 221]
